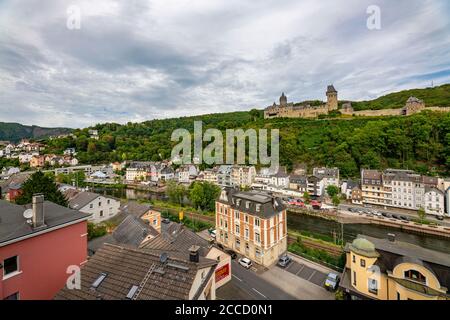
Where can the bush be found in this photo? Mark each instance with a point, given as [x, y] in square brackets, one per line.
[95, 231]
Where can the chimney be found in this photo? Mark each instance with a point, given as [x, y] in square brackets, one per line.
[391, 237]
[38, 210]
[194, 254]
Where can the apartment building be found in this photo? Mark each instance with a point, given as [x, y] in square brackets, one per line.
[242, 176]
[327, 176]
[209, 175]
[100, 207]
[387, 269]
[252, 224]
[186, 173]
[37, 245]
[224, 176]
[402, 189]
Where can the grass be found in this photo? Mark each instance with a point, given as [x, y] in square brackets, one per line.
[169, 205]
[324, 239]
[317, 255]
[194, 225]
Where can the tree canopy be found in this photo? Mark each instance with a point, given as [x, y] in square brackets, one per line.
[41, 183]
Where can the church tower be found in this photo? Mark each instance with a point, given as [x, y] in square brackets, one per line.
[332, 100]
[283, 100]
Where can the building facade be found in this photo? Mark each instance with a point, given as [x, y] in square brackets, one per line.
[252, 224]
[386, 269]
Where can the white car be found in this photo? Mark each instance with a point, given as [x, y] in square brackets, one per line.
[245, 262]
[213, 234]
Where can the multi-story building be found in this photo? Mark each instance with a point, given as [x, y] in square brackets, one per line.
[99, 207]
[242, 176]
[209, 175]
[137, 171]
[328, 177]
[186, 173]
[298, 183]
[400, 188]
[434, 201]
[387, 269]
[252, 224]
[280, 179]
[37, 247]
[224, 176]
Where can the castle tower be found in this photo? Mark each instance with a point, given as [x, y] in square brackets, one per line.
[332, 99]
[283, 100]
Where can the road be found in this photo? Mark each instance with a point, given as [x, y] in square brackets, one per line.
[398, 211]
[247, 284]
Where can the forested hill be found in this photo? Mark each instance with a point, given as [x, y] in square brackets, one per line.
[420, 142]
[436, 96]
[15, 131]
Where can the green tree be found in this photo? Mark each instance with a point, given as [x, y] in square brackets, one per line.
[203, 195]
[176, 192]
[40, 183]
[336, 200]
[332, 190]
[306, 197]
[421, 213]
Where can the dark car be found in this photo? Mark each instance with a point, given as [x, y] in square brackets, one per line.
[440, 218]
[232, 254]
[396, 216]
[166, 220]
[284, 260]
[404, 218]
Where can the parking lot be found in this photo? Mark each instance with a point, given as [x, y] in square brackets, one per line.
[307, 273]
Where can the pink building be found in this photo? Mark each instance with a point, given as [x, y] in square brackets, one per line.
[37, 246]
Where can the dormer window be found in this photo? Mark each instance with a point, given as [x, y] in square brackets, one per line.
[247, 204]
[258, 207]
[415, 275]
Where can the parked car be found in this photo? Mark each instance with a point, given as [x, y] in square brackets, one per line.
[232, 254]
[166, 220]
[387, 215]
[376, 213]
[212, 233]
[284, 260]
[332, 281]
[440, 218]
[395, 216]
[405, 218]
[245, 262]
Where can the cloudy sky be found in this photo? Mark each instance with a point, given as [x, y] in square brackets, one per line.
[134, 60]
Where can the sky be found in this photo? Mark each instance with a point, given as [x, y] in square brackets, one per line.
[77, 63]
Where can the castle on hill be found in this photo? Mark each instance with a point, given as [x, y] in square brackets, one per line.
[305, 110]
[289, 110]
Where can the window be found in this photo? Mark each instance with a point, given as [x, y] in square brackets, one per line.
[257, 222]
[373, 286]
[354, 278]
[101, 213]
[10, 265]
[415, 276]
[99, 204]
[257, 252]
[108, 201]
[246, 233]
[247, 204]
[238, 230]
[246, 218]
[236, 215]
[398, 296]
[91, 206]
[354, 259]
[363, 263]
[257, 237]
[155, 222]
[238, 243]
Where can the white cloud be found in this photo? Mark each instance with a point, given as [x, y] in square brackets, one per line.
[137, 60]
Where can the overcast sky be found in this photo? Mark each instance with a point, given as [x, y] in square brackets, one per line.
[134, 60]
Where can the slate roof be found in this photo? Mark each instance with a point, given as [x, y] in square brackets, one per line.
[268, 205]
[331, 88]
[13, 225]
[127, 267]
[132, 231]
[81, 199]
[134, 208]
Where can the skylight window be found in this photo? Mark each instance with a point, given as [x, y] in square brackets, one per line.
[99, 280]
[132, 292]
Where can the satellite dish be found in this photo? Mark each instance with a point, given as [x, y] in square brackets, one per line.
[28, 214]
[163, 257]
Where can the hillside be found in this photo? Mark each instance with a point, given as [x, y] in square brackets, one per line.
[420, 142]
[436, 96]
[15, 131]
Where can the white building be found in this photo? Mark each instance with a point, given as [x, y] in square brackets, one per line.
[329, 177]
[187, 173]
[100, 207]
[243, 176]
[434, 201]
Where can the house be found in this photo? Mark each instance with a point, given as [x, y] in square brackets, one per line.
[116, 166]
[137, 171]
[166, 174]
[328, 177]
[434, 201]
[37, 161]
[175, 240]
[298, 183]
[144, 212]
[387, 269]
[122, 273]
[37, 247]
[356, 195]
[253, 224]
[70, 152]
[14, 191]
[224, 176]
[280, 179]
[447, 201]
[208, 175]
[347, 188]
[131, 232]
[187, 173]
[315, 186]
[100, 207]
[242, 176]
[93, 134]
